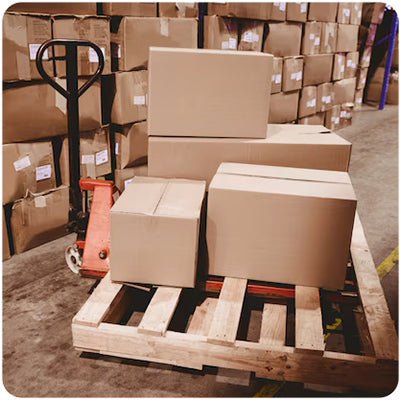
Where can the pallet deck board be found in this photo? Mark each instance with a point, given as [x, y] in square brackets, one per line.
[273, 325]
[202, 317]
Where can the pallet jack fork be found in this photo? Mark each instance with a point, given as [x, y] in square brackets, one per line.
[89, 254]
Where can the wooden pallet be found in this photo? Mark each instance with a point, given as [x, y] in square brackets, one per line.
[122, 321]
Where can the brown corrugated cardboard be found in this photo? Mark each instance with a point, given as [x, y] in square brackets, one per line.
[154, 232]
[292, 73]
[361, 77]
[328, 37]
[332, 118]
[346, 114]
[283, 39]
[276, 80]
[339, 65]
[343, 91]
[131, 142]
[283, 107]
[178, 10]
[270, 224]
[221, 105]
[131, 9]
[308, 101]
[366, 56]
[22, 37]
[6, 243]
[132, 37]
[324, 12]
[311, 38]
[44, 111]
[373, 12]
[218, 9]
[316, 119]
[344, 13]
[346, 38]
[130, 98]
[351, 64]
[96, 29]
[251, 35]
[73, 8]
[290, 145]
[123, 177]
[324, 96]
[355, 13]
[317, 69]
[296, 11]
[262, 11]
[358, 99]
[220, 33]
[27, 166]
[40, 218]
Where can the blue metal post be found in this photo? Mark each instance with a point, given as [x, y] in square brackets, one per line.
[392, 38]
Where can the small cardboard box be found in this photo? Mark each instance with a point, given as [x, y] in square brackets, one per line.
[347, 36]
[27, 166]
[38, 219]
[296, 12]
[131, 142]
[251, 35]
[346, 114]
[131, 9]
[332, 118]
[278, 224]
[324, 96]
[351, 64]
[343, 91]
[123, 177]
[317, 69]
[312, 38]
[227, 103]
[344, 13]
[292, 73]
[276, 80]
[324, 12]
[130, 97]
[316, 119]
[132, 37]
[328, 37]
[308, 101]
[220, 33]
[356, 13]
[339, 65]
[178, 10]
[283, 39]
[283, 107]
[154, 232]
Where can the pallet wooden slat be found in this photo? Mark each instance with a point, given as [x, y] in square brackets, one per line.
[273, 325]
[202, 317]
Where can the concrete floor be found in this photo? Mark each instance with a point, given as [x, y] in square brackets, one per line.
[40, 297]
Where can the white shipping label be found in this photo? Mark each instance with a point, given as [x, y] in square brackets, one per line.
[33, 49]
[224, 45]
[93, 55]
[116, 148]
[101, 157]
[40, 201]
[299, 75]
[119, 51]
[273, 78]
[363, 80]
[87, 159]
[139, 100]
[317, 41]
[312, 36]
[278, 78]
[359, 14]
[359, 99]
[323, 99]
[293, 76]
[127, 182]
[22, 163]
[342, 114]
[327, 99]
[349, 63]
[342, 68]
[303, 7]
[346, 12]
[336, 120]
[248, 37]
[232, 44]
[311, 103]
[43, 172]
[282, 6]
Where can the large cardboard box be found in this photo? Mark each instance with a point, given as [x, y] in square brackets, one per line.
[123, 177]
[296, 11]
[324, 12]
[5, 241]
[74, 8]
[311, 38]
[343, 91]
[351, 64]
[283, 225]
[220, 33]
[223, 100]
[317, 69]
[130, 97]
[35, 110]
[276, 80]
[324, 96]
[251, 35]
[328, 37]
[38, 219]
[292, 73]
[339, 65]
[27, 167]
[22, 37]
[96, 29]
[308, 101]
[178, 10]
[289, 145]
[283, 39]
[131, 142]
[132, 37]
[356, 13]
[344, 13]
[346, 38]
[154, 232]
[283, 107]
[130, 9]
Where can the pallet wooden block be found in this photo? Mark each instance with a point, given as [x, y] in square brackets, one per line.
[211, 336]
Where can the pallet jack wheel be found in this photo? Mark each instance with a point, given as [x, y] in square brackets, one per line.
[73, 258]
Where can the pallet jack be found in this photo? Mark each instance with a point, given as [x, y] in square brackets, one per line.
[89, 254]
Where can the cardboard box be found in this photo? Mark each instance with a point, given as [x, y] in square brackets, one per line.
[6, 243]
[73, 8]
[154, 232]
[344, 13]
[308, 101]
[178, 10]
[123, 177]
[358, 99]
[339, 65]
[343, 91]
[324, 12]
[94, 28]
[227, 103]
[292, 73]
[94, 155]
[131, 143]
[283, 107]
[356, 13]
[366, 56]
[44, 111]
[328, 37]
[261, 11]
[296, 11]
[27, 166]
[317, 69]
[281, 234]
[346, 38]
[316, 119]
[22, 37]
[283, 39]
[132, 37]
[361, 78]
[289, 145]
[332, 118]
[351, 64]
[346, 114]
[220, 33]
[38, 219]
[312, 38]
[132, 9]
[251, 35]
[373, 12]
[324, 96]
[276, 80]
[130, 98]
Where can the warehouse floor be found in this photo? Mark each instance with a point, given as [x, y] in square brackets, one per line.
[41, 295]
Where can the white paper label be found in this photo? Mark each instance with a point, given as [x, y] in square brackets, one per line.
[282, 6]
[33, 49]
[101, 157]
[119, 51]
[248, 37]
[278, 78]
[293, 76]
[336, 120]
[232, 44]
[359, 99]
[363, 80]
[359, 14]
[342, 68]
[87, 159]
[303, 7]
[299, 76]
[349, 63]
[346, 12]
[327, 99]
[310, 103]
[43, 172]
[273, 78]
[93, 55]
[22, 163]
[224, 45]
[116, 148]
[40, 201]
[312, 36]
[256, 37]
[317, 40]
[139, 100]
[381, 16]
[127, 182]
[342, 114]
